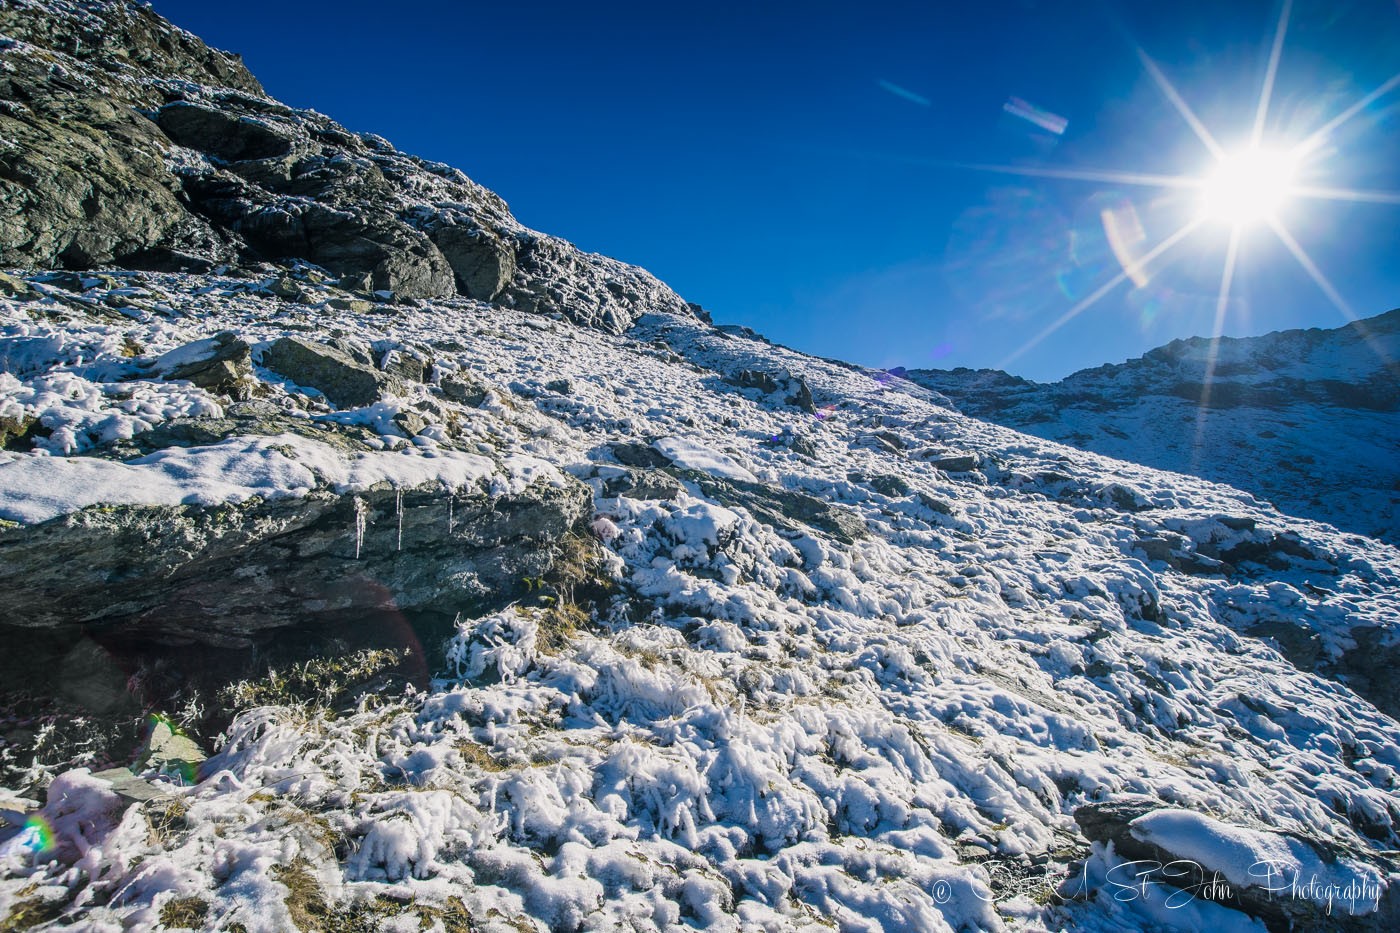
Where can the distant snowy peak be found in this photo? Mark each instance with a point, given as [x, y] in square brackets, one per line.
[1309, 419]
[132, 144]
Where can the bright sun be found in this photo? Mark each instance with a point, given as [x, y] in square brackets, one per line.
[1241, 189]
[1247, 186]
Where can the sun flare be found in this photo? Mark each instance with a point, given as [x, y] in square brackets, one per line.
[1248, 187]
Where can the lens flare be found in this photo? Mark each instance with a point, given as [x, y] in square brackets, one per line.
[36, 837]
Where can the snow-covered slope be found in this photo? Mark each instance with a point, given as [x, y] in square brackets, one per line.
[782, 718]
[1307, 419]
[705, 633]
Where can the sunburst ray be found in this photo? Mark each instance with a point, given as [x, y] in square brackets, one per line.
[1334, 296]
[1345, 194]
[1270, 73]
[1317, 137]
[1180, 104]
[1097, 295]
[1108, 176]
[1222, 301]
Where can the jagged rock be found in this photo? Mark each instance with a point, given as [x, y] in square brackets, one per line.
[84, 182]
[887, 484]
[553, 277]
[220, 134]
[244, 418]
[935, 504]
[956, 463]
[793, 389]
[356, 349]
[559, 387]
[406, 363]
[344, 382]
[874, 442]
[644, 484]
[639, 455]
[462, 388]
[483, 263]
[220, 575]
[223, 363]
[355, 241]
[410, 422]
[291, 290]
[783, 508]
[361, 282]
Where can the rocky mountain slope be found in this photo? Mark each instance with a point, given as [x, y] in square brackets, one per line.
[127, 142]
[575, 612]
[1307, 419]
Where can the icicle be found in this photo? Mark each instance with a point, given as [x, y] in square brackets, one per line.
[451, 501]
[361, 511]
[398, 504]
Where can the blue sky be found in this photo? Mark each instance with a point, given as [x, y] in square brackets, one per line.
[805, 169]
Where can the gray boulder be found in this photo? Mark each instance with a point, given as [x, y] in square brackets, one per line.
[222, 364]
[482, 262]
[459, 387]
[343, 381]
[639, 455]
[954, 463]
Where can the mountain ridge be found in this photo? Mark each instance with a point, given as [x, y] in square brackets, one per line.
[1308, 418]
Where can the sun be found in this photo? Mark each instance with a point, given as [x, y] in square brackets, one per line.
[1248, 187]
[1241, 189]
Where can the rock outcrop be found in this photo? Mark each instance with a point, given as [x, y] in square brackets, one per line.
[136, 145]
[225, 574]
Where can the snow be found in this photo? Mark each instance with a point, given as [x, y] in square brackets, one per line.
[195, 352]
[36, 489]
[1252, 858]
[692, 455]
[770, 728]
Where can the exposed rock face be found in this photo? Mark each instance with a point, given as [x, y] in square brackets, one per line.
[1309, 419]
[220, 575]
[86, 182]
[138, 145]
[219, 134]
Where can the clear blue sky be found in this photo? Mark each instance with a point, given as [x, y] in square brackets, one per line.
[802, 168]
